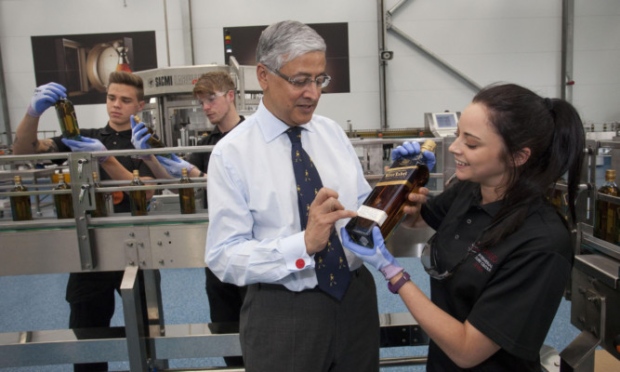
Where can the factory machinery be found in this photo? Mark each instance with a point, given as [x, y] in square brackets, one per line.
[165, 239]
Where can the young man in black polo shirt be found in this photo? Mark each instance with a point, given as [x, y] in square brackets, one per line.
[216, 93]
[91, 295]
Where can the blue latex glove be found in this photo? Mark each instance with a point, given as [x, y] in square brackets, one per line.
[45, 97]
[412, 149]
[139, 135]
[86, 144]
[378, 257]
[174, 165]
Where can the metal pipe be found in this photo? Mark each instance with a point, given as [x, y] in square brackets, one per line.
[469, 82]
[188, 40]
[568, 30]
[5, 122]
[403, 361]
[166, 32]
[397, 7]
[382, 64]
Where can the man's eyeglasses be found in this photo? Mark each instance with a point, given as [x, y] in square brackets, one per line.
[210, 99]
[429, 259]
[321, 81]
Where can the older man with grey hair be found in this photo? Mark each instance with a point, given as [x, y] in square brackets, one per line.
[280, 187]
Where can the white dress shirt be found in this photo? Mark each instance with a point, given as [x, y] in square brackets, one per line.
[254, 234]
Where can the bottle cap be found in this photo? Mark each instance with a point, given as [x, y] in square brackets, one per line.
[428, 145]
[17, 179]
[610, 174]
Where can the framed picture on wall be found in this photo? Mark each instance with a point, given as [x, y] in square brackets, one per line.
[241, 43]
[82, 63]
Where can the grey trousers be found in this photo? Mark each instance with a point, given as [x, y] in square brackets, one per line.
[287, 331]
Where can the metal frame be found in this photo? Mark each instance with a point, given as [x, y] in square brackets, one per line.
[595, 286]
[140, 246]
[143, 245]
[385, 24]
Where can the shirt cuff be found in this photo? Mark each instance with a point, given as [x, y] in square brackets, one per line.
[293, 249]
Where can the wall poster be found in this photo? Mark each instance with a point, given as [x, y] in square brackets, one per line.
[241, 43]
[82, 63]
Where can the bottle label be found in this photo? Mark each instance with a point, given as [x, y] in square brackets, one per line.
[373, 214]
[397, 176]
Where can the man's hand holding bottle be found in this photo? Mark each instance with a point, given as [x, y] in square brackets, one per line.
[174, 165]
[44, 97]
[86, 144]
[139, 138]
[139, 134]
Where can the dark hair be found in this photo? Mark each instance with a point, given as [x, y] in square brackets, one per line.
[553, 131]
[127, 78]
[212, 82]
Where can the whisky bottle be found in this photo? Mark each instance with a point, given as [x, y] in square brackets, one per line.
[384, 206]
[123, 61]
[63, 202]
[101, 208]
[187, 198]
[137, 198]
[67, 119]
[605, 224]
[20, 205]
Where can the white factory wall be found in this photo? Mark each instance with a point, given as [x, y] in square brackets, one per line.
[486, 40]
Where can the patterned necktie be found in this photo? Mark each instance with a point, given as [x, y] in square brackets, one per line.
[332, 270]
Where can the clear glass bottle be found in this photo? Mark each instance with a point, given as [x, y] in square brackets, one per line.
[384, 206]
[101, 208]
[63, 202]
[137, 198]
[606, 218]
[67, 119]
[187, 197]
[21, 206]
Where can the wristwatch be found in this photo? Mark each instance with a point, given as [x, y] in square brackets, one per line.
[396, 286]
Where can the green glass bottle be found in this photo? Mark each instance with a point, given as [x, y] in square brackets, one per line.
[67, 119]
[605, 220]
[63, 202]
[101, 208]
[187, 197]
[21, 206]
[137, 198]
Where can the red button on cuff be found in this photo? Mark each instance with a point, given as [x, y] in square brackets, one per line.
[300, 263]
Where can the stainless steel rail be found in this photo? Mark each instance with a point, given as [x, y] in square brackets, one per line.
[139, 246]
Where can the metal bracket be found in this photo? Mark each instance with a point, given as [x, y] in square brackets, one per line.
[79, 165]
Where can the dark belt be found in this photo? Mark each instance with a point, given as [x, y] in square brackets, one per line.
[354, 274]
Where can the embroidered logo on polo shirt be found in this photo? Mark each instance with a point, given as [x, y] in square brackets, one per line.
[485, 260]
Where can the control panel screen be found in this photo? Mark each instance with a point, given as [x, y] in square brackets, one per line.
[446, 120]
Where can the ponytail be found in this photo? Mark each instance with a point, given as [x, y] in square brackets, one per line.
[553, 132]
